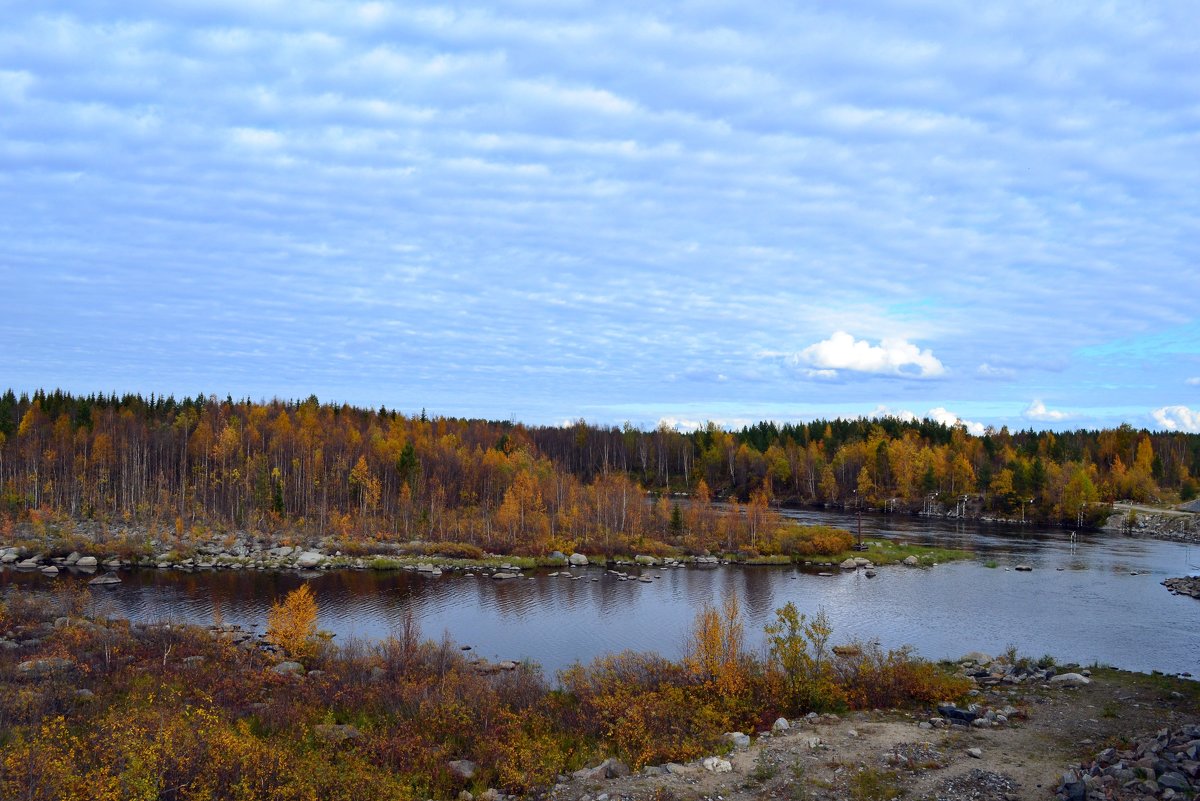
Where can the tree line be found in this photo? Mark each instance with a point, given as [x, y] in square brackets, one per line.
[323, 468]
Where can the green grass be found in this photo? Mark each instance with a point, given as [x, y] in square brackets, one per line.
[402, 562]
[887, 552]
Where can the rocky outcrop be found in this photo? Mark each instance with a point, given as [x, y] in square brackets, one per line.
[1189, 585]
[1165, 765]
[1173, 526]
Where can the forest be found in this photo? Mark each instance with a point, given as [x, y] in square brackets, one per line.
[323, 469]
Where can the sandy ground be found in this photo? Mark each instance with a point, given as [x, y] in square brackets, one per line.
[880, 755]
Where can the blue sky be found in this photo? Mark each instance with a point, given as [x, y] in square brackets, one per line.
[644, 212]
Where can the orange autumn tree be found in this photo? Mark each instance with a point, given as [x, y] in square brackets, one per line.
[292, 623]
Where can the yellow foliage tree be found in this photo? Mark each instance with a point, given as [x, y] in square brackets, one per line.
[292, 622]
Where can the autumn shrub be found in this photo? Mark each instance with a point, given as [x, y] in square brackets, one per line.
[454, 550]
[810, 540]
[872, 678]
[801, 675]
[649, 709]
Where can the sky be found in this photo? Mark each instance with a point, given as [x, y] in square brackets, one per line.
[548, 210]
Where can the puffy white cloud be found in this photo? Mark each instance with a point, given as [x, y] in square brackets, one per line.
[946, 417]
[1038, 411]
[1178, 418]
[896, 357]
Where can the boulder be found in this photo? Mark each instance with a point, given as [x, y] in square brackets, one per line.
[9, 557]
[85, 561]
[289, 669]
[738, 739]
[72, 558]
[780, 724]
[1070, 680]
[105, 578]
[47, 666]
[501, 575]
[50, 570]
[464, 769]
[849, 564]
[717, 765]
[1023, 568]
[977, 753]
[611, 768]
[646, 560]
[335, 732]
[309, 559]
[577, 560]
[911, 561]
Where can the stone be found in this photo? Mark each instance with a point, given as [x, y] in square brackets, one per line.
[490, 794]
[289, 669]
[738, 739]
[849, 564]
[674, 768]
[84, 694]
[104, 578]
[72, 558]
[611, 768]
[577, 560]
[465, 795]
[50, 570]
[464, 769]
[1023, 568]
[48, 666]
[335, 732]
[717, 765]
[193, 661]
[977, 753]
[1070, 680]
[9, 558]
[85, 561]
[1174, 781]
[646, 560]
[911, 561]
[309, 559]
[501, 575]
[781, 724]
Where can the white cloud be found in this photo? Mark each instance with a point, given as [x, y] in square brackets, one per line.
[1193, 382]
[986, 370]
[890, 357]
[946, 417]
[899, 414]
[1178, 418]
[1038, 411]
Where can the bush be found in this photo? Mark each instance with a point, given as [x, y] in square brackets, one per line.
[454, 550]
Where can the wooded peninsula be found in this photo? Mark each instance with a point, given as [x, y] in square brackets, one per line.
[305, 468]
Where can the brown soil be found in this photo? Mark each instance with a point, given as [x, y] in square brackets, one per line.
[881, 755]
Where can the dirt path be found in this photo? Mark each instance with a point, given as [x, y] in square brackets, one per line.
[881, 755]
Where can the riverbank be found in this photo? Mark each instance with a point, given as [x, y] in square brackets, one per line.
[86, 546]
[94, 706]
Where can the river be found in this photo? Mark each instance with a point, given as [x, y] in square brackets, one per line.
[1081, 602]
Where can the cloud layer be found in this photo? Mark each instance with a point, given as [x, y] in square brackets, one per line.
[550, 210]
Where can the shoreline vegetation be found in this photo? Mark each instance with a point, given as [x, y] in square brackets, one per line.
[300, 472]
[56, 543]
[92, 707]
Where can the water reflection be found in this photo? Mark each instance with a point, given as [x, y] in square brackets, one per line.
[1078, 603]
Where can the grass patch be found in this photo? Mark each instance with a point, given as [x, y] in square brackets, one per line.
[870, 784]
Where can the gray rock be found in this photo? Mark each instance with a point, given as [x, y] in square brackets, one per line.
[309, 559]
[738, 739]
[977, 753]
[104, 578]
[646, 560]
[1174, 781]
[72, 558]
[911, 561]
[674, 768]
[464, 769]
[289, 669]
[41, 668]
[849, 564]
[781, 724]
[336, 732]
[1070, 680]
[717, 765]
[85, 561]
[577, 560]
